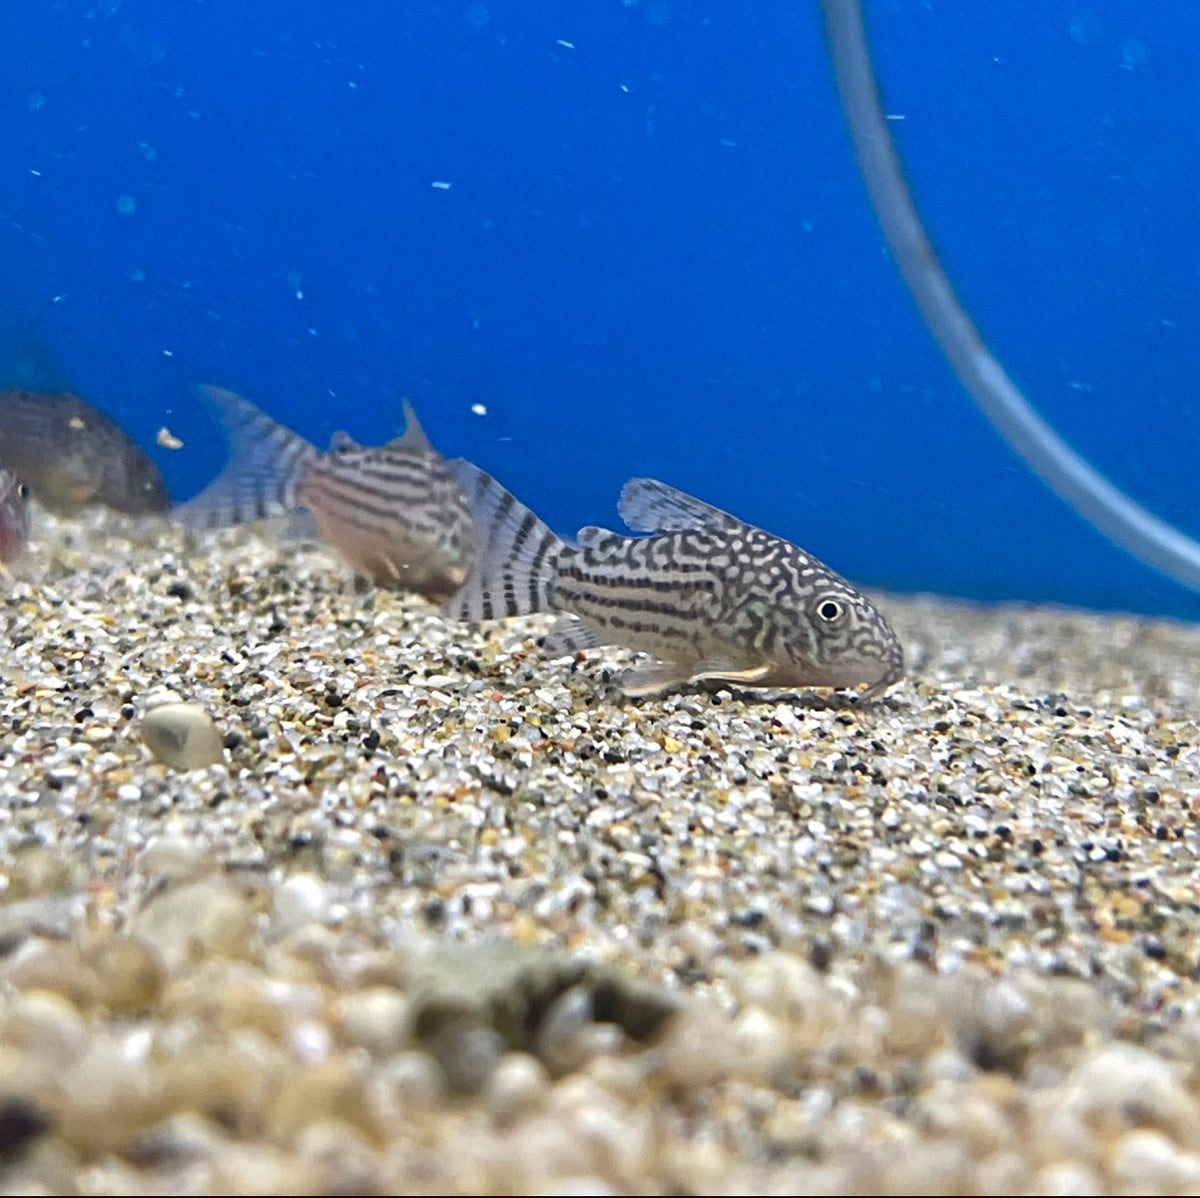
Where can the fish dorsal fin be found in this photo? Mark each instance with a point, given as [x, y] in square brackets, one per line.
[342, 440]
[647, 505]
[413, 437]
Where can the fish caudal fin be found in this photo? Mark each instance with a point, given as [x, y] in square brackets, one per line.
[262, 477]
[517, 563]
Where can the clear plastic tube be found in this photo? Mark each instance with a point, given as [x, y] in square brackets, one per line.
[1136, 530]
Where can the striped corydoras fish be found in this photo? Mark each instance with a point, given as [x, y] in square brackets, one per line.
[14, 516]
[394, 511]
[713, 599]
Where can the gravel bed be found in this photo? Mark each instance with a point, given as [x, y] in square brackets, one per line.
[450, 918]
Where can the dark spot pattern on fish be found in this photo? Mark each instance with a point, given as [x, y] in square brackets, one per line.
[71, 455]
[712, 598]
[393, 511]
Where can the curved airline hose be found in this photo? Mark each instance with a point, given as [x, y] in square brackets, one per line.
[1137, 531]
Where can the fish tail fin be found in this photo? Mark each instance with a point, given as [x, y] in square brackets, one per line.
[262, 477]
[516, 566]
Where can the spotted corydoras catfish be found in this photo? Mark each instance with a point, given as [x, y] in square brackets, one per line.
[393, 511]
[713, 599]
[14, 516]
[70, 454]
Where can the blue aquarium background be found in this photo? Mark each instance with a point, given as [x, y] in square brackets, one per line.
[598, 238]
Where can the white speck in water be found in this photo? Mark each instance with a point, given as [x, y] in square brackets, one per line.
[558, 41]
[35, 101]
[441, 185]
[136, 275]
[479, 409]
[126, 206]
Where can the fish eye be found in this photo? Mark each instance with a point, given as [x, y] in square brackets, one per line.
[830, 609]
[22, 490]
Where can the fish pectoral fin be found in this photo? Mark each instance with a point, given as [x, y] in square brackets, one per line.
[569, 635]
[654, 678]
[301, 526]
[722, 670]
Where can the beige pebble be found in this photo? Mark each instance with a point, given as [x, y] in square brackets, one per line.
[1121, 1083]
[46, 1024]
[1066, 1179]
[299, 900]
[1146, 1162]
[375, 1019]
[129, 973]
[210, 915]
[182, 736]
[518, 1084]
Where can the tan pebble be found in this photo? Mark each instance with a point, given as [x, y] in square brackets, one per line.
[697, 1047]
[375, 1019]
[129, 972]
[415, 1078]
[210, 915]
[338, 1159]
[1005, 1172]
[107, 1097]
[784, 985]
[257, 1169]
[45, 1024]
[51, 965]
[332, 1089]
[519, 1083]
[175, 859]
[1146, 1162]
[188, 1136]
[1119, 1084]
[39, 871]
[232, 1075]
[1066, 1179]
[182, 736]
[301, 899]
[760, 1043]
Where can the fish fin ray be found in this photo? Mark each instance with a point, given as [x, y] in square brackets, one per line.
[516, 564]
[725, 670]
[569, 635]
[648, 505]
[654, 678]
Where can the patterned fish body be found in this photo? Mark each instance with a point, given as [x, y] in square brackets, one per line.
[70, 454]
[393, 511]
[14, 515]
[713, 599]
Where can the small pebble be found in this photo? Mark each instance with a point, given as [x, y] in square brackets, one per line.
[182, 736]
